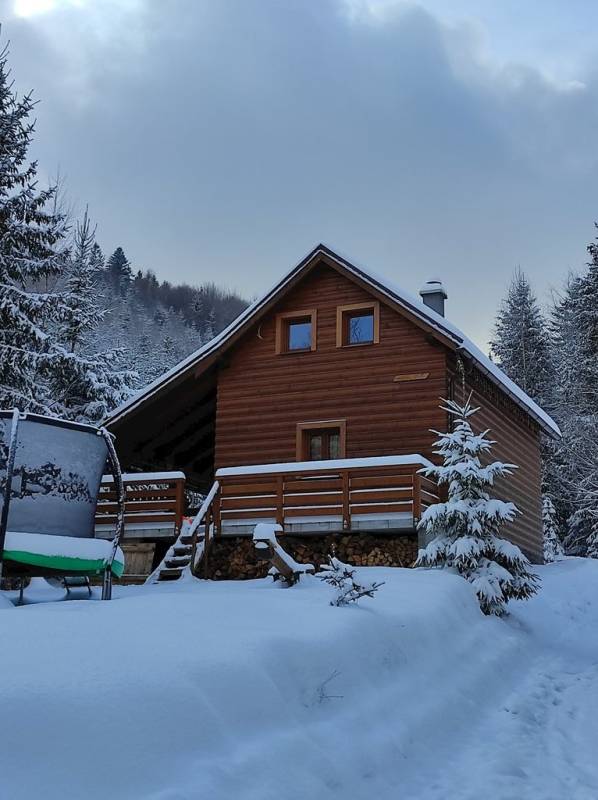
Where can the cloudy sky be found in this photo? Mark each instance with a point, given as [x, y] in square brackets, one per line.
[222, 139]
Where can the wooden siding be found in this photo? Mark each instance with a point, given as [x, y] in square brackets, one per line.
[262, 396]
[517, 442]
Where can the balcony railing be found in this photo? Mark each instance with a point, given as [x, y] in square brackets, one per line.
[154, 504]
[347, 494]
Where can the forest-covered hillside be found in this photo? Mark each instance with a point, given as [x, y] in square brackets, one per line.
[157, 323]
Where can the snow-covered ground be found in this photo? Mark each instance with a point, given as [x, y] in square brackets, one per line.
[248, 690]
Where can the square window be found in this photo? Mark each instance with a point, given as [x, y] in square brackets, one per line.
[296, 331]
[360, 328]
[321, 441]
[358, 324]
[299, 334]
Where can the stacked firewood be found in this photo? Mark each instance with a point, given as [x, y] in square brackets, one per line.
[361, 550]
[235, 558]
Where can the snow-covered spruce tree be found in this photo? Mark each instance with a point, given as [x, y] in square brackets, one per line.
[581, 481]
[553, 549]
[465, 527]
[82, 313]
[521, 344]
[32, 256]
[97, 260]
[119, 272]
[86, 380]
[587, 320]
[573, 470]
[592, 541]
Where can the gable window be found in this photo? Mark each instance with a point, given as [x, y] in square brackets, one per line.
[321, 441]
[296, 331]
[358, 324]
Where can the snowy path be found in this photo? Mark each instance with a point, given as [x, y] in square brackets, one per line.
[247, 690]
[541, 741]
[539, 745]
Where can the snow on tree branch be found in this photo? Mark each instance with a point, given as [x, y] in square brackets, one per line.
[342, 577]
[464, 529]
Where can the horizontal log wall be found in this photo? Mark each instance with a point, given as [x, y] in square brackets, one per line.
[517, 442]
[262, 396]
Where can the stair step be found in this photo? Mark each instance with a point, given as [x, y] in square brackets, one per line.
[177, 561]
[179, 556]
[167, 574]
[181, 550]
[175, 565]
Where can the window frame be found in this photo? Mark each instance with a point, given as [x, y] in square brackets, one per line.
[284, 320]
[304, 428]
[344, 313]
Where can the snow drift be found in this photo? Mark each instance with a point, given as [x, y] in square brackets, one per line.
[248, 690]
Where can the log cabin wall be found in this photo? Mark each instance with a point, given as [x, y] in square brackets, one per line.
[517, 442]
[262, 396]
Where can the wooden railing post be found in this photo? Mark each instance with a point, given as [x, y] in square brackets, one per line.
[280, 500]
[206, 543]
[417, 497]
[216, 514]
[179, 508]
[346, 503]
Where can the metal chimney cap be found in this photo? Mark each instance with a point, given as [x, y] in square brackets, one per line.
[433, 286]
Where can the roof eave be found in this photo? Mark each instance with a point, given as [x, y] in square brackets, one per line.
[553, 432]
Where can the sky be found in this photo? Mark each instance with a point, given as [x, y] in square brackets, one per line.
[222, 139]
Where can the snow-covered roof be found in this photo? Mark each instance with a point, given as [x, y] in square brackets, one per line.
[382, 285]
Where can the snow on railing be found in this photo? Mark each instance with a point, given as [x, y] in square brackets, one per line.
[337, 491]
[264, 537]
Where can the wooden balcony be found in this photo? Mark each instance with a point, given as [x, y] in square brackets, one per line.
[154, 505]
[369, 494]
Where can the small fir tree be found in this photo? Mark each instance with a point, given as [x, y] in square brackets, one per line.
[553, 549]
[465, 527]
[342, 578]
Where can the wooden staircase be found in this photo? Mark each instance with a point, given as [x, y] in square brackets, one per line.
[183, 557]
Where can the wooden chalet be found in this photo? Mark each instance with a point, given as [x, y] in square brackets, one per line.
[314, 408]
